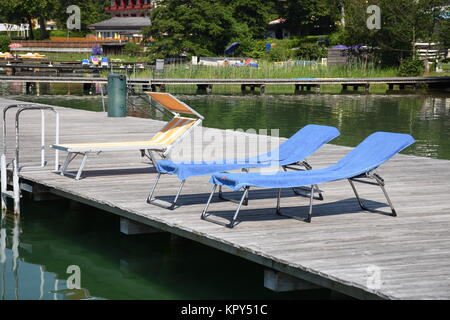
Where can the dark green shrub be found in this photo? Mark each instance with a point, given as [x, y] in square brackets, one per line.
[132, 49]
[5, 41]
[279, 51]
[310, 51]
[410, 68]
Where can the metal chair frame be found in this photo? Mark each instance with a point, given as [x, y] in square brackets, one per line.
[172, 205]
[314, 189]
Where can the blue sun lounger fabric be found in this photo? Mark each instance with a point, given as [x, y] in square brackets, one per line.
[301, 145]
[368, 155]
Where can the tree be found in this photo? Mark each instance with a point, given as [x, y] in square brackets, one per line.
[43, 10]
[443, 32]
[305, 17]
[255, 14]
[5, 41]
[183, 27]
[92, 11]
[403, 23]
[26, 11]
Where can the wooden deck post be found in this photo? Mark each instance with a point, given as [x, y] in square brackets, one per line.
[204, 88]
[41, 193]
[281, 282]
[130, 227]
[87, 88]
[262, 89]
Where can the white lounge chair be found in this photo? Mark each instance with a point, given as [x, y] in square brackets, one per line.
[162, 142]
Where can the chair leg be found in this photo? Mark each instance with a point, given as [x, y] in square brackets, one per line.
[380, 183]
[316, 187]
[151, 199]
[204, 215]
[222, 197]
[70, 157]
[279, 202]
[311, 202]
[80, 169]
[232, 223]
[311, 199]
[150, 196]
[361, 204]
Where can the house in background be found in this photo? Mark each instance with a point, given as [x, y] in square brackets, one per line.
[276, 29]
[14, 30]
[128, 18]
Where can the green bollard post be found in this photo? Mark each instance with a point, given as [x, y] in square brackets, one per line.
[117, 95]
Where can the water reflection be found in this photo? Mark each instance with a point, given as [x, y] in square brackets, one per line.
[54, 235]
[21, 280]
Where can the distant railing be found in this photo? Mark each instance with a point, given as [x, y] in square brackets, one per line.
[77, 39]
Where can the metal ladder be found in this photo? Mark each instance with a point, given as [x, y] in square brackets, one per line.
[15, 193]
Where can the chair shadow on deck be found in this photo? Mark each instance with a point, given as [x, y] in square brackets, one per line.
[345, 206]
[112, 172]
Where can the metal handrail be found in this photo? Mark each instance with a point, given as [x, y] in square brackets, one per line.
[5, 110]
[15, 194]
[42, 109]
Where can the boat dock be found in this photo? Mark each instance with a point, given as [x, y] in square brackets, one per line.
[299, 84]
[357, 253]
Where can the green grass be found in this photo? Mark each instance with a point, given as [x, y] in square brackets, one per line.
[269, 70]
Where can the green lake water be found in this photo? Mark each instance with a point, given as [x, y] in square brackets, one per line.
[36, 251]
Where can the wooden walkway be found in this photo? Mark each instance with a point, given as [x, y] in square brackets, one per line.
[206, 85]
[338, 250]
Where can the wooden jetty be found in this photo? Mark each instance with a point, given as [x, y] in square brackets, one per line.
[300, 84]
[360, 254]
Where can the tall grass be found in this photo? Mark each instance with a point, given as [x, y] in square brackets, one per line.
[271, 71]
[266, 70]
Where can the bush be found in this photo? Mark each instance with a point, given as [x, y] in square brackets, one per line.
[337, 37]
[5, 41]
[310, 51]
[279, 51]
[132, 49]
[410, 68]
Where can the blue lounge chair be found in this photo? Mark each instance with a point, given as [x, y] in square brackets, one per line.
[105, 62]
[359, 164]
[292, 152]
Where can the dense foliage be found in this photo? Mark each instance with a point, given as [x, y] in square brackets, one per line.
[4, 43]
[410, 67]
[403, 22]
[206, 27]
[132, 49]
[43, 10]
